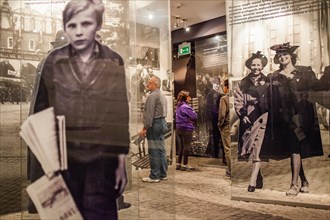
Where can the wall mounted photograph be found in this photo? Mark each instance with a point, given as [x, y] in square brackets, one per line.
[279, 73]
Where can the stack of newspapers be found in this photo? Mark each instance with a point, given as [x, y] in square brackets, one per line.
[44, 133]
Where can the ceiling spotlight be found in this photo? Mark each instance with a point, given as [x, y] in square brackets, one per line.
[178, 5]
[177, 22]
[184, 23]
[150, 14]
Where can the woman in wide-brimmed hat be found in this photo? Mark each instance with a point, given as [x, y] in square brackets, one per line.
[294, 123]
[251, 107]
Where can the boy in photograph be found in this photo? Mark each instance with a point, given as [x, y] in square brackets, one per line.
[85, 81]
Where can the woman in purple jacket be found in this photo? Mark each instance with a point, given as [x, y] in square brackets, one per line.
[185, 115]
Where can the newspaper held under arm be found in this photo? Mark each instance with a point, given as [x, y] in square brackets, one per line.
[39, 133]
[50, 193]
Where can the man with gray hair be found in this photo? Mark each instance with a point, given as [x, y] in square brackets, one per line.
[155, 126]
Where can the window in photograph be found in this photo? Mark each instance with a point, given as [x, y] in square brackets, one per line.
[273, 35]
[252, 37]
[31, 44]
[296, 28]
[22, 22]
[10, 42]
[32, 23]
[27, 24]
[48, 27]
[296, 38]
[38, 25]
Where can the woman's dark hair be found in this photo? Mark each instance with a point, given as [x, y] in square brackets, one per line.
[226, 83]
[182, 96]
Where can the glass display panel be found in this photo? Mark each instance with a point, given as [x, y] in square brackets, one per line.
[137, 30]
[211, 71]
[149, 55]
[279, 78]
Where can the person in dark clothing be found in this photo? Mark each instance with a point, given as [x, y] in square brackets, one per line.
[299, 127]
[224, 125]
[212, 113]
[78, 81]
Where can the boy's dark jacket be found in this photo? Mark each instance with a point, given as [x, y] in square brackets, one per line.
[96, 112]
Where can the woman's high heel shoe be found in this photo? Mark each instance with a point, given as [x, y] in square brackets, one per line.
[260, 182]
[251, 188]
[293, 191]
[304, 187]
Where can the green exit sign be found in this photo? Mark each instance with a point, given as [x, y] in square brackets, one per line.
[184, 49]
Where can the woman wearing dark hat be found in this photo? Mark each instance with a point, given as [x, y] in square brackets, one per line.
[295, 124]
[251, 107]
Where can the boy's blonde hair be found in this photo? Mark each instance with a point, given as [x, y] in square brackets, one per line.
[76, 6]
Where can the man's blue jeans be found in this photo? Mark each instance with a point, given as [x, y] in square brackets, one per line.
[156, 149]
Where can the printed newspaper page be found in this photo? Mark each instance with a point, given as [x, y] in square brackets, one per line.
[52, 199]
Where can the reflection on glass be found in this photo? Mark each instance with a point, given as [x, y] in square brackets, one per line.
[29, 30]
[211, 71]
[296, 134]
